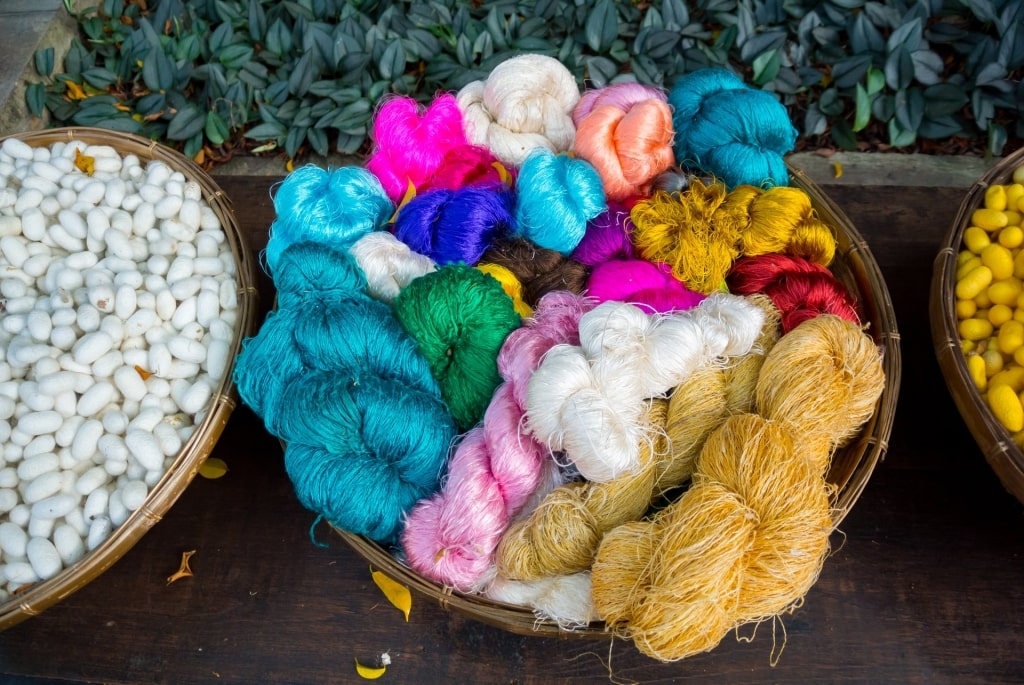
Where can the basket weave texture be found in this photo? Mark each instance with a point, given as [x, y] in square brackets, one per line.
[996, 443]
[165, 493]
[851, 465]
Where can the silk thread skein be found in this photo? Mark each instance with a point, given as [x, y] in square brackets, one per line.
[562, 534]
[628, 146]
[410, 143]
[538, 269]
[649, 286]
[493, 471]
[679, 230]
[800, 289]
[333, 207]
[333, 375]
[622, 96]
[607, 237]
[467, 165]
[586, 400]
[729, 130]
[388, 263]
[525, 103]
[510, 284]
[563, 599]
[456, 226]
[459, 318]
[556, 195]
[780, 219]
[749, 537]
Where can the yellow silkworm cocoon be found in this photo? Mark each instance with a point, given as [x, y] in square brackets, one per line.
[1014, 193]
[1018, 174]
[973, 283]
[999, 260]
[993, 362]
[1011, 336]
[1013, 217]
[998, 314]
[968, 266]
[995, 198]
[1011, 237]
[1012, 376]
[976, 239]
[989, 219]
[965, 309]
[1006, 291]
[1018, 356]
[965, 256]
[976, 368]
[1007, 407]
[1018, 315]
[975, 329]
[981, 299]
[968, 346]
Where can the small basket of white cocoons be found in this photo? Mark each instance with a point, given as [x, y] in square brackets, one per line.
[125, 293]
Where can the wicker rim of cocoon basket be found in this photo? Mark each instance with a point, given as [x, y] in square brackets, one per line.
[851, 465]
[995, 441]
[42, 595]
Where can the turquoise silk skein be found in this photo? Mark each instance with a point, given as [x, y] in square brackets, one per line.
[332, 373]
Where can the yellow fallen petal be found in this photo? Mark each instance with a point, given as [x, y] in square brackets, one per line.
[837, 169]
[85, 163]
[369, 672]
[184, 571]
[213, 468]
[289, 166]
[396, 593]
[75, 91]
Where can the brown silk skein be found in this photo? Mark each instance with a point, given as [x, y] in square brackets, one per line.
[748, 539]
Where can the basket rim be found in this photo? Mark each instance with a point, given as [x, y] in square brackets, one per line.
[996, 443]
[44, 594]
[870, 447]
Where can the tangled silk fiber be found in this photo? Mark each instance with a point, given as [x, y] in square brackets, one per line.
[748, 539]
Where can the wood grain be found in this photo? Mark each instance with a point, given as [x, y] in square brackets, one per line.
[925, 584]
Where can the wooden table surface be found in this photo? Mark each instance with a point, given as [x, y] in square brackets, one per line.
[925, 584]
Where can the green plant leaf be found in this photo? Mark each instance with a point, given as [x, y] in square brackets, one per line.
[35, 98]
[909, 109]
[303, 76]
[899, 137]
[943, 99]
[829, 103]
[766, 67]
[815, 123]
[157, 70]
[600, 71]
[908, 37]
[268, 130]
[257, 20]
[392, 61]
[996, 139]
[875, 80]
[843, 135]
[216, 129]
[318, 141]
[186, 123]
[602, 26]
[235, 56]
[279, 38]
[674, 14]
[294, 139]
[899, 69]
[848, 72]
[862, 116]
[928, 67]
[43, 60]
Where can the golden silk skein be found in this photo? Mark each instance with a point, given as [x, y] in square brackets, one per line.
[677, 229]
[748, 539]
[561, 535]
[780, 219]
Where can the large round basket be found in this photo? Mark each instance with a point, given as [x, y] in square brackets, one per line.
[39, 596]
[1004, 456]
[850, 469]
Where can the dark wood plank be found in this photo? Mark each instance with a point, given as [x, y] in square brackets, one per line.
[924, 586]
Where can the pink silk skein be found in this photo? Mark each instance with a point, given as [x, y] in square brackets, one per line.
[641, 283]
[410, 143]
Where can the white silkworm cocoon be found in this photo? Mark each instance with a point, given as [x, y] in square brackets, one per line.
[88, 482]
[20, 573]
[91, 346]
[86, 440]
[167, 437]
[133, 494]
[54, 507]
[44, 558]
[39, 422]
[13, 540]
[96, 501]
[32, 467]
[43, 486]
[68, 543]
[145, 448]
[99, 530]
[196, 397]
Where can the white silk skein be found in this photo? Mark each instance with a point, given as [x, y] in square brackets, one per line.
[565, 599]
[389, 264]
[525, 103]
[586, 400]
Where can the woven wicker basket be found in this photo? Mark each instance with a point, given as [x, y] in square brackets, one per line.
[44, 594]
[849, 472]
[996, 443]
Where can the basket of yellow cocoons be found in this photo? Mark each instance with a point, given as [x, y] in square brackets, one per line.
[977, 316]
